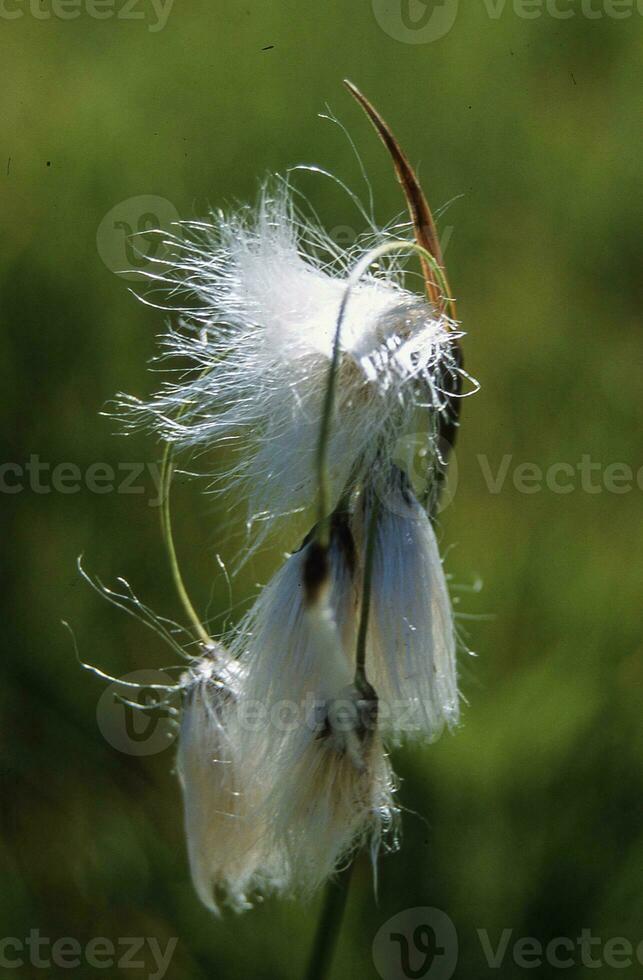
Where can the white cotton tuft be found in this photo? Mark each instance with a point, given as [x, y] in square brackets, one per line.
[318, 746]
[282, 757]
[296, 650]
[336, 795]
[411, 644]
[254, 349]
[228, 850]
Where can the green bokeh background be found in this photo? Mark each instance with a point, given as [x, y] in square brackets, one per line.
[528, 818]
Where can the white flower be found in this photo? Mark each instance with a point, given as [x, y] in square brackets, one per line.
[255, 345]
[230, 857]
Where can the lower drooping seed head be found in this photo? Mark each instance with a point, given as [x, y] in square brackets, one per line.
[228, 850]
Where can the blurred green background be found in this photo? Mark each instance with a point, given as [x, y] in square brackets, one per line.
[528, 818]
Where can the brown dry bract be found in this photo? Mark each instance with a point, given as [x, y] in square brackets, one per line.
[421, 216]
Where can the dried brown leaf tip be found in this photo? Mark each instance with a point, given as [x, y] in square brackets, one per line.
[423, 222]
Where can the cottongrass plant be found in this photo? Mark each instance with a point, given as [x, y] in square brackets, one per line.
[310, 364]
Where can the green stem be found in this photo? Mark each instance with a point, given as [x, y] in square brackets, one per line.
[323, 531]
[167, 469]
[329, 926]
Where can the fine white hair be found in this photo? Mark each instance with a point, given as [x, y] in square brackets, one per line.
[255, 343]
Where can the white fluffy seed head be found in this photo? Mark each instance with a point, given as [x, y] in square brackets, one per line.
[230, 857]
[296, 649]
[280, 805]
[254, 349]
[411, 643]
[281, 758]
[330, 785]
[336, 795]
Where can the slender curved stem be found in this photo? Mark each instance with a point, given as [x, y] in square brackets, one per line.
[167, 470]
[323, 529]
[329, 925]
